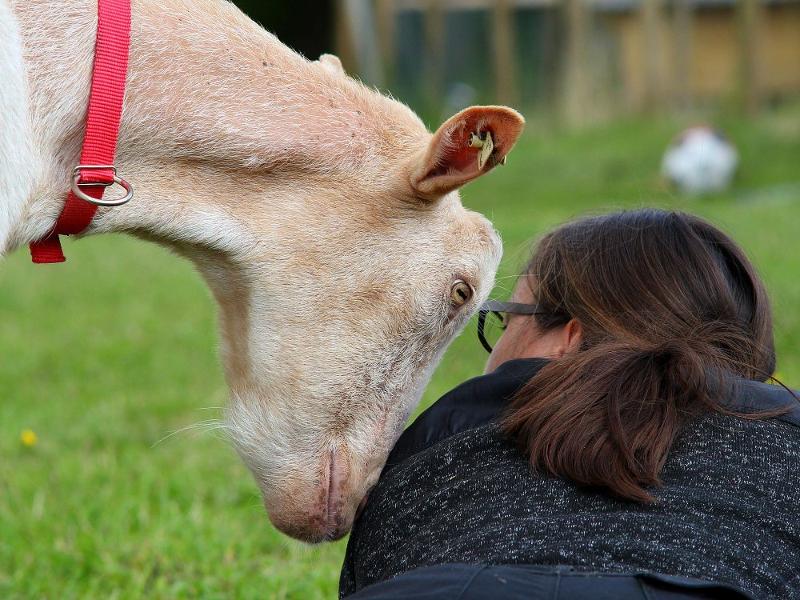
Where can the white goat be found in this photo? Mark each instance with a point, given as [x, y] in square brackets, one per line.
[323, 216]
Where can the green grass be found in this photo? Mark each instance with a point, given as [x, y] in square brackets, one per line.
[105, 355]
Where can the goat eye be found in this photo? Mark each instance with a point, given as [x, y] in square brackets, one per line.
[460, 293]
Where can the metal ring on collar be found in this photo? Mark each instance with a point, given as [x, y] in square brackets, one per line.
[76, 186]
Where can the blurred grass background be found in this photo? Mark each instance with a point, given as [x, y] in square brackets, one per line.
[106, 355]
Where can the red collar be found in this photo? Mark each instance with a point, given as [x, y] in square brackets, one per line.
[96, 171]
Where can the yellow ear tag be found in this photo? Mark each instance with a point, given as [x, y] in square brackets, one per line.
[486, 151]
[475, 141]
[486, 145]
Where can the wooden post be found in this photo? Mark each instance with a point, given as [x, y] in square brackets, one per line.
[344, 37]
[682, 35]
[576, 82]
[504, 58]
[749, 39]
[384, 17]
[651, 15]
[434, 46]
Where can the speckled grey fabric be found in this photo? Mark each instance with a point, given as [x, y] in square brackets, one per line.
[728, 512]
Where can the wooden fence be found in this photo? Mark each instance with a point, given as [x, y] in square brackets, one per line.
[666, 51]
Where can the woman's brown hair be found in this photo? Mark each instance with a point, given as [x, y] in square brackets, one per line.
[669, 305]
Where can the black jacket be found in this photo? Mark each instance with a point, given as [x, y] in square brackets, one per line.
[475, 402]
[455, 490]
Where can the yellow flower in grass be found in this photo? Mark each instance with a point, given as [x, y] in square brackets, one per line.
[28, 438]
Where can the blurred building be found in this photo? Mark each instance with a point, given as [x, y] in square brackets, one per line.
[584, 58]
[711, 50]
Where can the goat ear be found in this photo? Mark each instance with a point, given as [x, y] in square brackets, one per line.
[466, 146]
[331, 62]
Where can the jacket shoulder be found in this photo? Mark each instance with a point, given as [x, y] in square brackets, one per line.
[754, 396]
[476, 402]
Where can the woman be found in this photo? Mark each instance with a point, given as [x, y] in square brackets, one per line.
[622, 445]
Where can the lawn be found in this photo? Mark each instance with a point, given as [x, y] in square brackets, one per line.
[105, 356]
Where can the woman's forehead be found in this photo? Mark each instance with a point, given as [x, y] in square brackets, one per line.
[523, 291]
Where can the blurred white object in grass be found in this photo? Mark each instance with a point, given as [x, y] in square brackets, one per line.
[701, 160]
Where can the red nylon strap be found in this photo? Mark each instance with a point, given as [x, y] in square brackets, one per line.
[102, 125]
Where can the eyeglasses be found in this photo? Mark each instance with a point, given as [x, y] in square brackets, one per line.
[498, 313]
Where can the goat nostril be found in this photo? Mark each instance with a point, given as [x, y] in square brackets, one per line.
[337, 473]
[331, 486]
